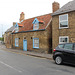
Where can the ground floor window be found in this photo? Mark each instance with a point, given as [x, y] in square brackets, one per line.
[35, 42]
[16, 42]
[63, 39]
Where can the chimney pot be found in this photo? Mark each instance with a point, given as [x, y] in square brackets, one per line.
[14, 23]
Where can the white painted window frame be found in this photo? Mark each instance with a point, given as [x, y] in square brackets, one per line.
[63, 37]
[63, 21]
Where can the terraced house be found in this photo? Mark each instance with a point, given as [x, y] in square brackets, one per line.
[35, 34]
[8, 36]
[63, 24]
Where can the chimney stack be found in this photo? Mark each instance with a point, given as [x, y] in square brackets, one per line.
[55, 6]
[22, 16]
[14, 23]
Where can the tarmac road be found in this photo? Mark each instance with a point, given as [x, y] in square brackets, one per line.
[17, 64]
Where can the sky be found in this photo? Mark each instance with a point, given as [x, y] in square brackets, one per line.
[10, 10]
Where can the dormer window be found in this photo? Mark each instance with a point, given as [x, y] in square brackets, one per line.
[16, 28]
[36, 23]
[36, 26]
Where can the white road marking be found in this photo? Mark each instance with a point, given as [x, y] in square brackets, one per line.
[10, 66]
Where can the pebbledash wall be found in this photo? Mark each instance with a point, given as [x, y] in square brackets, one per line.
[45, 40]
[69, 32]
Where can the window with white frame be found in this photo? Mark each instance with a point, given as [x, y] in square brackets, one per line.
[16, 42]
[63, 39]
[63, 21]
[35, 42]
[36, 26]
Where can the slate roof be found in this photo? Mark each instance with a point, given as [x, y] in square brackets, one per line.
[28, 26]
[70, 6]
[11, 29]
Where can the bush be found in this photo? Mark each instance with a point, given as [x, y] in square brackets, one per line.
[1, 38]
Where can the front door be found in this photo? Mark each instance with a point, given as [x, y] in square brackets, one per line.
[25, 45]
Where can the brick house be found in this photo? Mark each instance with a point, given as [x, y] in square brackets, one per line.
[34, 35]
[8, 36]
[63, 24]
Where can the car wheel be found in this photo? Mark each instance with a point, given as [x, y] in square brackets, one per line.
[58, 60]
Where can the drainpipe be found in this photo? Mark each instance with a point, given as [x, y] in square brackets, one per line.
[12, 40]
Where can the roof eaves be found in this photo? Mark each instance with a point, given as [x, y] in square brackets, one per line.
[54, 14]
[29, 31]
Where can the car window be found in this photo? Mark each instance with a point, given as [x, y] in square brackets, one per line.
[74, 46]
[68, 46]
[60, 46]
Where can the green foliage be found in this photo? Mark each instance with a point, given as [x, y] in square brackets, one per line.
[1, 38]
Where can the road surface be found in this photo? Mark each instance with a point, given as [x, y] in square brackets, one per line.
[18, 64]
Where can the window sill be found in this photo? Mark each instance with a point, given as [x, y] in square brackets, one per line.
[64, 28]
[63, 42]
[35, 48]
[16, 46]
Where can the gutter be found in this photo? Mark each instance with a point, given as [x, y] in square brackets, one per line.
[54, 14]
[29, 31]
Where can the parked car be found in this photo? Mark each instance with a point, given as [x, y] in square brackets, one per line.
[64, 53]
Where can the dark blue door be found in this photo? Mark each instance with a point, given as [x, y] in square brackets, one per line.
[25, 45]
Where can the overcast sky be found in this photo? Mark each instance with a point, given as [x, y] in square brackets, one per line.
[10, 10]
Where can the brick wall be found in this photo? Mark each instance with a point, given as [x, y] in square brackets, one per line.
[8, 40]
[45, 37]
[56, 32]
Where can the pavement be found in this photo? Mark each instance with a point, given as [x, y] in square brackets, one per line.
[30, 53]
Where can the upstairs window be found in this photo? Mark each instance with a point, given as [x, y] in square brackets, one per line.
[16, 29]
[63, 21]
[63, 39]
[36, 26]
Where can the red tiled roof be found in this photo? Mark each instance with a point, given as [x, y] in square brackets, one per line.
[20, 24]
[29, 26]
[40, 21]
